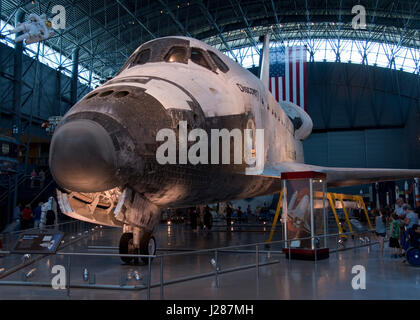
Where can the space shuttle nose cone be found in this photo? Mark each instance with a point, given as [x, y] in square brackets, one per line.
[82, 157]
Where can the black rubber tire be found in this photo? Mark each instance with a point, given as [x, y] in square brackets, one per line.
[144, 247]
[124, 241]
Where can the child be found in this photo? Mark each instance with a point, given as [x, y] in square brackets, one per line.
[394, 242]
[380, 223]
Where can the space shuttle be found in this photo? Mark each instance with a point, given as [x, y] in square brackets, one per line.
[103, 152]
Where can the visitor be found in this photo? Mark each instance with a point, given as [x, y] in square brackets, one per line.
[229, 212]
[54, 208]
[411, 218]
[248, 212]
[50, 218]
[399, 210]
[37, 215]
[208, 218]
[380, 229]
[417, 210]
[193, 218]
[44, 209]
[415, 236]
[199, 217]
[394, 241]
[239, 214]
[41, 178]
[33, 178]
[26, 217]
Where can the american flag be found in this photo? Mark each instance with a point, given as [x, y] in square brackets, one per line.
[288, 74]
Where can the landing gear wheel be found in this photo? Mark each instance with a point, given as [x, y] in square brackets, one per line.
[127, 247]
[147, 247]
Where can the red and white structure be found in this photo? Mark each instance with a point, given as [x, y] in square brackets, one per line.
[288, 74]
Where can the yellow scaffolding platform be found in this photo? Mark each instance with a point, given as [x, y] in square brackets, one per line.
[332, 199]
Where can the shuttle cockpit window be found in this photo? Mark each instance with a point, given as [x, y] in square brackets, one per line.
[127, 64]
[218, 62]
[142, 57]
[197, 56]
[177, 54]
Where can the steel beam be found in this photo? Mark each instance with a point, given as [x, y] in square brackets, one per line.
[179, 24]
[74, 75]
[137, 20]
[210, 18]
[17, 102]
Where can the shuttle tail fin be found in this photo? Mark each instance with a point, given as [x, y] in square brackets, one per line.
[265, 61]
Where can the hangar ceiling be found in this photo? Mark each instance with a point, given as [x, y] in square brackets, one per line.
[107, 32]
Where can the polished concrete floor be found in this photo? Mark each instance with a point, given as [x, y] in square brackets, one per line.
[278, 277]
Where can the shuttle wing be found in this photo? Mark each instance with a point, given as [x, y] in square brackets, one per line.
[340, 177]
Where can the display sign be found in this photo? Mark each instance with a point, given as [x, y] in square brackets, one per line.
[304, 209]
[45, 242]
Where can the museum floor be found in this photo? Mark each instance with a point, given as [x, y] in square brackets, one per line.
[278, 277]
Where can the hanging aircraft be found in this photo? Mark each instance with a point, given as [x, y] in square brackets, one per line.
[103, 152]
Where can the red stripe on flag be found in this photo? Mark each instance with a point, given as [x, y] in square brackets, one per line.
[269, 86]
[277, 88]
[283, 83]
[305, 84]
[297, 82]
[290, 74]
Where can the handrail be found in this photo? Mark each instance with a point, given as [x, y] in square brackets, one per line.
[45, 188]
[201, 250]
[22, 180]
[33, 229]
[216, 273]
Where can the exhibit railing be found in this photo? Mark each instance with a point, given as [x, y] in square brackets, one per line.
[70, 228]
[99, 270]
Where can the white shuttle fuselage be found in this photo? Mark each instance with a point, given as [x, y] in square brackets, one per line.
[103, 153]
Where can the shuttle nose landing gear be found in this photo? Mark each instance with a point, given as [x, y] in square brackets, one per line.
[145, 245]
[140, 218]
[127, 247]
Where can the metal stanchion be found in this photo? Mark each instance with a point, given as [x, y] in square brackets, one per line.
[68, 276]
[161, 277]
[315, 248]
[149, 277]
[336, 246]
[257, 263]
[217, 271]
[288, 244]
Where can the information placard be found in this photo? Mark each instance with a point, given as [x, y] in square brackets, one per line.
[44, 242]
